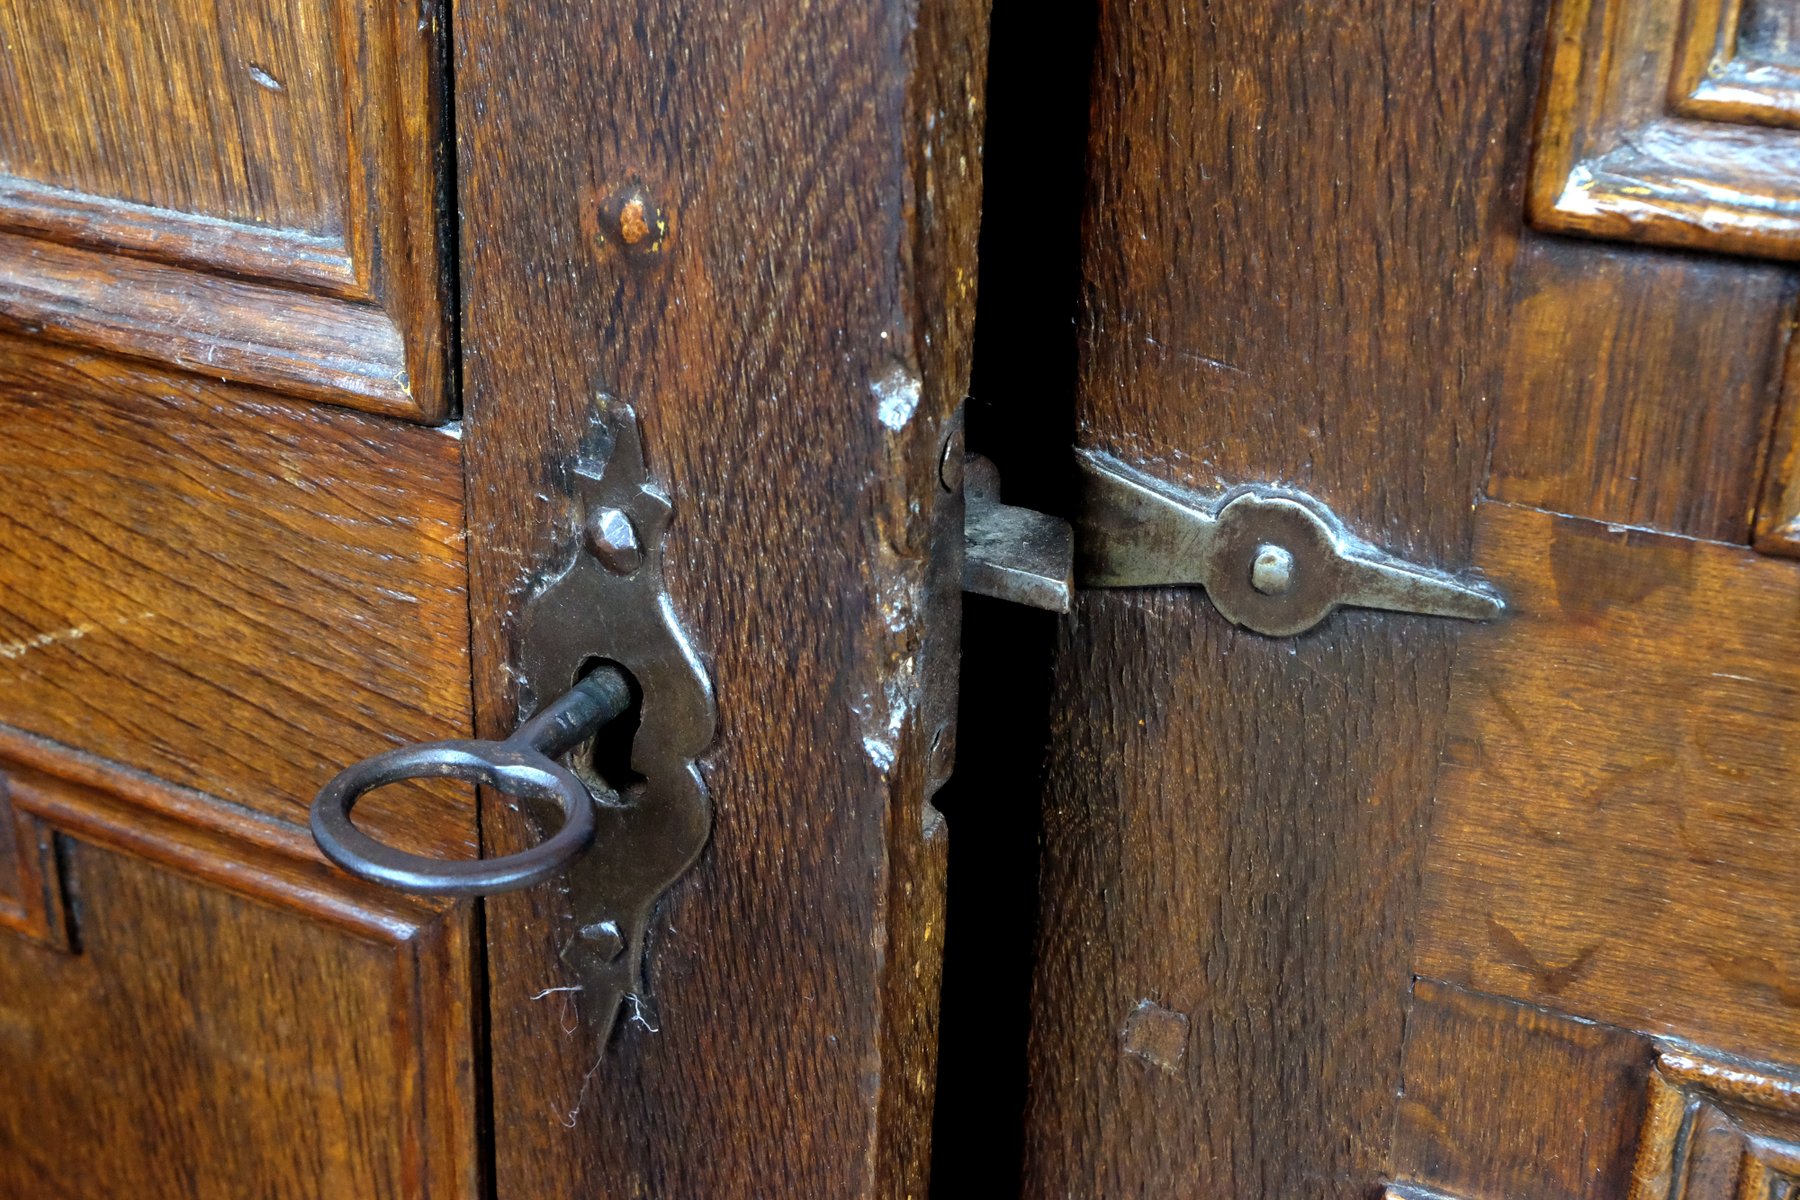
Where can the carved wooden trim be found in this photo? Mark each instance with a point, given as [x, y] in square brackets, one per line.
[31, 894]
[278, 256]
[1617, 156]
[1717, 1129]
[1778, 516]
[270, 862]
[1716, 80]
[356, 318]
[293, 342]
[251, 855]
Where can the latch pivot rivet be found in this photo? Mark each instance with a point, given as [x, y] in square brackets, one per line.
[1272, 571]
[614, 540]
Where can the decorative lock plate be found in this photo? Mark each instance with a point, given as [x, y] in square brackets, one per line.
[596, 639]
[610, 605]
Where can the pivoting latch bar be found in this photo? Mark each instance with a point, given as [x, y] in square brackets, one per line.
[1273, 560]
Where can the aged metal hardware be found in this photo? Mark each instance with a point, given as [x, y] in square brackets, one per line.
[1011, 553]
[611, 605]
[522, 765]
[1273, 560]
[602, 624]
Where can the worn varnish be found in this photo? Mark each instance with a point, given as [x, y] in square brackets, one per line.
[249, 190]
[1617, 831]
[794, 344]
[1672, 149]
[235, 595]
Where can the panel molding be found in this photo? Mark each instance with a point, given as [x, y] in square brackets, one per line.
[1718, 1128]
[1716, 78]
[292, 342]
[276, 865]
[31, 893]
[196, 835]
[353, 316]
[1616, 157]
[284, 256]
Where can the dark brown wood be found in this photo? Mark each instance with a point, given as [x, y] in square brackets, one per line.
[794, 337]
[278, 162]
[236, 595]
[1297, 240]
[31, 886]
[1617, 831]
[1504, 1099]
[1778, 518]
[1640, 387]
[1651, 152]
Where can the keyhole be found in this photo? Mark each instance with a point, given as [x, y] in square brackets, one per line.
[610, 757]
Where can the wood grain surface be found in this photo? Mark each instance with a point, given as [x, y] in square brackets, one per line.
[233, 111]
[1506, 1099]
[1296, 249]
[239, 596]
[1778, 517]
[1640, 387]
[794, 339]
[299, 146]
[351, 1078]
[1616, 832]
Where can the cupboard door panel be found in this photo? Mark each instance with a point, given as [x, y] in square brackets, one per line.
[247, 190]
[229, 1018]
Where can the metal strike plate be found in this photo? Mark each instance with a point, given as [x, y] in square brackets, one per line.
[1272, 560]
[610, 605]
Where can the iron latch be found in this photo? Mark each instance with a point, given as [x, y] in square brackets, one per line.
[1274, 560]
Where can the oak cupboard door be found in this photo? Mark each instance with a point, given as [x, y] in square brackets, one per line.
[754, 223]
[232, 557]
[1403, 904]
[304, 312]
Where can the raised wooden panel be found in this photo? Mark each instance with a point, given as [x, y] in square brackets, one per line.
[235, 595]
[1503, 1100]
[1608, 410]
[1718, 1129]
[247, 189]
[265, 1026]
[1778, 517]
[1644, 132]
[232, 111]
[1617, 831]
